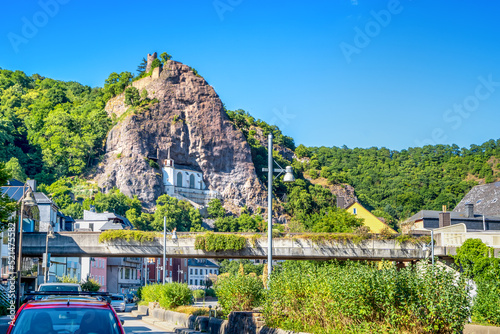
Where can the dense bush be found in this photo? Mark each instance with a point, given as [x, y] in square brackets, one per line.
[239, 292]
[198, 294]
[169, 296]
[478, 262]
[215, 242]
[355, 297]
[91, 285]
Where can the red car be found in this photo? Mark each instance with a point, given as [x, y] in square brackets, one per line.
[66, 315]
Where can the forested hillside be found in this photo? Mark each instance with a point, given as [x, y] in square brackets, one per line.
[50, 128]
[55, 132]
[400, 183]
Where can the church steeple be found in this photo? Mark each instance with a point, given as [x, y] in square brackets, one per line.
[169, 162]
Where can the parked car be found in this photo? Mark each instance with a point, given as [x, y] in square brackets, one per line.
[66, 315]
[66, 287]
[118, 302]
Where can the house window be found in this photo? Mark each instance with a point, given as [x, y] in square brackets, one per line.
[196, 271]
[127, 273]
[210, 270]
[195, 282]
[170, 261]
[185, 277]
[191, 181]
[354, 211]
[91, 226]
[179, 179]
[190, 282]
[185, 262]
[170, 273]
[191, 271]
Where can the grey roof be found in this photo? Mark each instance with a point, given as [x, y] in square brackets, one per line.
[94, 216]
[41, 198]
[485, 197]
[202, 263]
[112, 226]
[433, 214]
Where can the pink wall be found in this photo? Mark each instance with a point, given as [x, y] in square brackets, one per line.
[98, 271]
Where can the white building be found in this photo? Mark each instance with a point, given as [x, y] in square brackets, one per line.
[184, 182]
[199, 270]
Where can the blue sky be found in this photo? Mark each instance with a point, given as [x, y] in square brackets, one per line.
[359, 73]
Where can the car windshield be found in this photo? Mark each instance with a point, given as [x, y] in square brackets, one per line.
[66, 320]
[117, 298]
[59, 288]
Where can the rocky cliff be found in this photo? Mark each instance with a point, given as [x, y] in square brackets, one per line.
[190, 119]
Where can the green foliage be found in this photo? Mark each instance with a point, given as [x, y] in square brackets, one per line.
[67, 279]
[198, 294]
[116, 83]
[239, 292]
[169, 295]
[335, 221]
[319, 297]
[211, 242]
[179, 214]
[7, 206]
[215, 208]
[232, 267]
[478, 262]
[15, 169]
[404, 182]
[156, 63]
[244, 223]
[141, 68]
[91, 285]
[132, 97]
[126, 235]
[153, 164]
[469, 256]
[53, 128]
[165, 57]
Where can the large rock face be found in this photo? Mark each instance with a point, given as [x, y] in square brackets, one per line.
[189, 118]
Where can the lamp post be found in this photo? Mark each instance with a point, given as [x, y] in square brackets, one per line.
[26, 200]
[50, 234]
[270, 177]
[164, 246]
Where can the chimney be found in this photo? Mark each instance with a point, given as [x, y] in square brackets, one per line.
[469, 210]
[444, 219]
[340, 202]
[32, 184]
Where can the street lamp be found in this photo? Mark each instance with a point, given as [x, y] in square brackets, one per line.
[50, 234]
[431, 245]
[270, 177]
[26, 200]
[164, 247]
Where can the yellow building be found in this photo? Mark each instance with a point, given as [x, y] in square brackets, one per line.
[374, 223]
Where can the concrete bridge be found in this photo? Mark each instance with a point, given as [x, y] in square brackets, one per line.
[87, 244]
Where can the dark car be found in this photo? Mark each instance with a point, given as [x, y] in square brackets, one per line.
[66, 315]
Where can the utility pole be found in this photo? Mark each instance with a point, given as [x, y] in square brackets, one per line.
[164, 247]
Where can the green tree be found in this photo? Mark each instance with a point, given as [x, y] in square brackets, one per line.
[132, 96]
[15, 169]
[142, 66]
[7, 207]
[165, 57]
[335, 220]
[215, 208]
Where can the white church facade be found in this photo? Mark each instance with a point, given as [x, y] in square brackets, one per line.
[184, 182]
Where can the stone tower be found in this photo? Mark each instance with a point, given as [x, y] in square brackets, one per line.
[150, 61]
